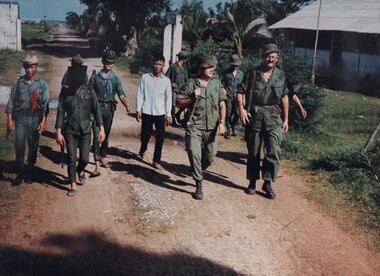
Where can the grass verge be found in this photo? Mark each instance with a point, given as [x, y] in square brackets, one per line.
[348, 184]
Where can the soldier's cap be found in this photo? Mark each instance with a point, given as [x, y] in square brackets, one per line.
[271, 48]
[109, 56]
[207, 61]
[182, 55]
[30, 60]
[235, 60]
[77, 59]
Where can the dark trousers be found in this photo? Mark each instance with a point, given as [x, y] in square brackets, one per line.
[146, 132]
[74, 141]
[26, 131]
[232, 111]
[101, 150]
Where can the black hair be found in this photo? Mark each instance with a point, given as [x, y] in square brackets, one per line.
[156, 58]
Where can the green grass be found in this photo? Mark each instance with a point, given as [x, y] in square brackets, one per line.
[30, 32]
[348, 184]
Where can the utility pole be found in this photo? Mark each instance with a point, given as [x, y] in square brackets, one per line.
[316, 43]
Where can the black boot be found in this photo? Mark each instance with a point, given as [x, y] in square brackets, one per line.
[198, 192]
[20, 176]
[251, 189]
[29, 174]
[268, 190]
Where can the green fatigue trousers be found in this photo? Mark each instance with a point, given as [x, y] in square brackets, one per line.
[107, 115]
[26, 130]
[272, 153]
[201, 147]
[232, 112]
[73, 141]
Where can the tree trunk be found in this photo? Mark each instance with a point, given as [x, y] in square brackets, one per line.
[131, 48]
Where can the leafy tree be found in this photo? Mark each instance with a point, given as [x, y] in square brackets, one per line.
[72, 19]
[129, 17]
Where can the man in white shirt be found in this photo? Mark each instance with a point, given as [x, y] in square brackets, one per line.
[153, 106]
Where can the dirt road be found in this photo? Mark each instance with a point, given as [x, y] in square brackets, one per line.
[135, 220]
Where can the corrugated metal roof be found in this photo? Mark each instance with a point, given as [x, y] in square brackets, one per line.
[362, 16]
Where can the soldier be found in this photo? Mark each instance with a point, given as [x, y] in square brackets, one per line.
[177, 73]
[76, 64]
[206, 97]
[73, 125]
[106, 85]
[230, 80]
[26, 114]
[153, 106]
[262, 91]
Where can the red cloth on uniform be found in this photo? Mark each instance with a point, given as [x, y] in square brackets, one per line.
[34, 99]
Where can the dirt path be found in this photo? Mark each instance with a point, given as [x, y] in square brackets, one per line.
[135, 220]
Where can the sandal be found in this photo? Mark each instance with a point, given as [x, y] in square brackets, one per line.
[95, 173]
[72, 192]
[104, 164]
[82, 179]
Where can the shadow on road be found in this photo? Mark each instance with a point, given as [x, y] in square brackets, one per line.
[91, 254]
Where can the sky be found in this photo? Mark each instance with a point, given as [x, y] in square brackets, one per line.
[57, 9]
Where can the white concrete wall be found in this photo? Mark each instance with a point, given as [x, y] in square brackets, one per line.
[10, 28]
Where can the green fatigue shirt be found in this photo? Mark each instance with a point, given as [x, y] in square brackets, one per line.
[230, 82]
[106, 88]
[206, 108]
[178, 75]
[265, 107]
[73, 114]
[21, 96]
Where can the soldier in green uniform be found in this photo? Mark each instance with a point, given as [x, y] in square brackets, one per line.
[26, 114]
[230, 80]
[73, 125]
[205, 96]
[106, 85]
[262, 91]
[177, 73]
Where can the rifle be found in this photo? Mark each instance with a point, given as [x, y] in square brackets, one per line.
[62, 156]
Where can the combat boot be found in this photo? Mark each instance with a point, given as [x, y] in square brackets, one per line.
[20, 176]
[268, 190]
[29, 174]
[251, 189]
[198, 194]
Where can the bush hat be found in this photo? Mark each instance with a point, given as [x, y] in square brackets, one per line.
[109, 56]
[207, 61]
[77, 59]
[182, 55]
[271, 48]
[235, 60]
[30, 60]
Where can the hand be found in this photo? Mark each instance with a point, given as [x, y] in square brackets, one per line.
[138, 116]
[60, 139]
[174, 85]
[102, 135]
[197, 93]
[11, 125]
[304, 113]
[128, 110]
[41, 127]
[285, 126]
[244, 116]
[168, 120]
[221, 129]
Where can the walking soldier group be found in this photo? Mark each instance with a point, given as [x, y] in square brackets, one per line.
[258, 98]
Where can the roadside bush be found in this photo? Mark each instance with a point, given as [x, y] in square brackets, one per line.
[357, 174]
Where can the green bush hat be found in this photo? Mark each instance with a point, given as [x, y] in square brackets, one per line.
[207, 61]
[271, 48]
[182, 55]
[235, 60]
[77, 59]
[109, 56]
[30, 60]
